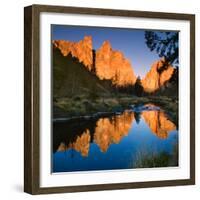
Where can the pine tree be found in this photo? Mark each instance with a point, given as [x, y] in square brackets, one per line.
[138, 87]
[165, 44]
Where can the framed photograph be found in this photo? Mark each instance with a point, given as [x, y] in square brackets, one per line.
[109, 99]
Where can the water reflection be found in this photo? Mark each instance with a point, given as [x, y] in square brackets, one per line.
[158, 122]
[82, 144]
[112, 130]
[85, 136]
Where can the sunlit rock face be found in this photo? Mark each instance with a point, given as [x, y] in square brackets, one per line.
[112, 130]
[82, 144]
[158, 75]
[109, 64]
[159, 124]
[81, 50]
[112, 65]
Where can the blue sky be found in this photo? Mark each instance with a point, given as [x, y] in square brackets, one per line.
[130, 41]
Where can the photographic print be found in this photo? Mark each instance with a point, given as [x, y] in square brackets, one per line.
[109, 99]
[114, 98]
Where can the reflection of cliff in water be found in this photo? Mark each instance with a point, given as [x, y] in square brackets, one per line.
[158, 122]
[112, 130]
[105, 131]
[82, 144]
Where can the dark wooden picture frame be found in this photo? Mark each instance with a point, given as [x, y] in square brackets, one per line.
[32, 91]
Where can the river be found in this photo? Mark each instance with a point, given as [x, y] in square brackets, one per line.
[136, 138]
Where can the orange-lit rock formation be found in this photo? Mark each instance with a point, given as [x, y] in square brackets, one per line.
[159, 124]
[81, 50]
[111, 64]
[112, 130]
[82, 144]
[158, 75]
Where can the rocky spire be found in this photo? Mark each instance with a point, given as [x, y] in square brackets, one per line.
[159, 74]
[81, 50]
[112, 65]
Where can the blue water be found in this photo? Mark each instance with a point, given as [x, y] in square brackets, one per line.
[81, 146]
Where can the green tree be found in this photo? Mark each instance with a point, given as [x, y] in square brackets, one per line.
[165, 44]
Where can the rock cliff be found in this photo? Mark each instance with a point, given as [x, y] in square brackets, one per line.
[82, 50]
[159, 74]
[111, 64]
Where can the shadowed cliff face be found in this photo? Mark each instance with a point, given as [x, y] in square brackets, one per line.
[158, 75]
[158, 122]
[111, 64]
[81, 50]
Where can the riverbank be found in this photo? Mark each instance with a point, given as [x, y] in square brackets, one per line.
[69, 108]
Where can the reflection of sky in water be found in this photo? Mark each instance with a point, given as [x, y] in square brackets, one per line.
[140, 139]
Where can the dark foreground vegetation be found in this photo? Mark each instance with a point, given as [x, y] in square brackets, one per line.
[162, 159]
